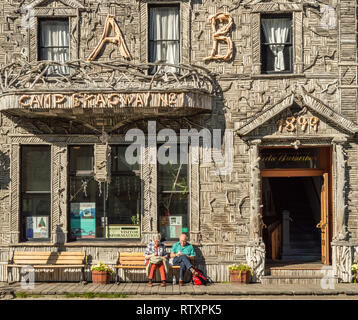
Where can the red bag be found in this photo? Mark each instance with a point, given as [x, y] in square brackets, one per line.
[200, 279]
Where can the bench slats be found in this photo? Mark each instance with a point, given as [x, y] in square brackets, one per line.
[139, 258]
[131, 254]
[49, 266]
[48, 261]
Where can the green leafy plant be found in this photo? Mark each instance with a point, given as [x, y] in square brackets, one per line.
[240, 267]
[101, 267]
[134, 219]
[354, 272]
[92, 295]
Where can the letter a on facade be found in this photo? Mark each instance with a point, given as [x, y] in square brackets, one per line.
[118, 39]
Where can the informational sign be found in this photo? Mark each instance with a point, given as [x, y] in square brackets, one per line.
[123, 232]
[175, 226]
[37, 227]
[83, 219]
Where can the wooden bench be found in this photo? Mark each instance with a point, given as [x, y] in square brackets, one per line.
[48, 260]
[131, 260]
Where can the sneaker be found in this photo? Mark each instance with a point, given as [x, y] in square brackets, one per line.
[163, 284]
[181, 282]
[150, 284]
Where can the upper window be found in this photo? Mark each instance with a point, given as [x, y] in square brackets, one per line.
[54, 43]
[35, 192]
[164, 39]
[276, 40]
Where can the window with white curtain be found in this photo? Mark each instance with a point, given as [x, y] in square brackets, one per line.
[276, 40]
[54, 43]
[164, 39]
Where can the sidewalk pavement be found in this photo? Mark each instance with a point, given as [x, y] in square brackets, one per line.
[216, 289]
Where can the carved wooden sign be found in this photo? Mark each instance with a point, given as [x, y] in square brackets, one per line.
[291, 124]
[220, 35]
[109, 25]
[111, 100]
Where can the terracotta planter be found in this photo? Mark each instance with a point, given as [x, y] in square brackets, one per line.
[101, 277]
[240, 277]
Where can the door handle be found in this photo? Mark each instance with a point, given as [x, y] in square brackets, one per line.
[320, 225]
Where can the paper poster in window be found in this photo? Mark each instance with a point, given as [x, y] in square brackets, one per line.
[83, 219]
[175, 220]
[37, 227]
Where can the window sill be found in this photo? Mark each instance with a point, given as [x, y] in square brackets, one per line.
[278, 76]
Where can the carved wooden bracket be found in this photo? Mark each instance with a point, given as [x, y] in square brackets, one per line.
[110, 23]
[220, 35]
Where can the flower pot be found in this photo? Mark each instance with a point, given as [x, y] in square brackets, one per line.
[240, 277]
[101, 277]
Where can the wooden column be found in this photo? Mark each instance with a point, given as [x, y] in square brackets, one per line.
[254, 228]
[59, 192]
[255, 248]
[194, 202]
[340, 226]
[15, 193]
[149, 194]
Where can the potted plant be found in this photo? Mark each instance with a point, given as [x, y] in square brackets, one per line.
[355, 272]
[101, 273]
[240, 273]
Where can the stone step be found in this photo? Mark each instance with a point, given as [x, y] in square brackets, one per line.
[277, 280]
[295, 272]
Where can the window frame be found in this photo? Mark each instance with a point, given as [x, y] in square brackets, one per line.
[105, 190]
[22, 193]
[175, 192]
[264, 46]
[179, 40]
[40, 20]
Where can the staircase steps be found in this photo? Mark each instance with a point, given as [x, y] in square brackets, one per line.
[298, 275]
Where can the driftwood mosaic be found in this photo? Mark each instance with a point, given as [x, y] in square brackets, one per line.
[219, 75]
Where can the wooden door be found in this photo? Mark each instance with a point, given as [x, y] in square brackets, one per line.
[324, 225]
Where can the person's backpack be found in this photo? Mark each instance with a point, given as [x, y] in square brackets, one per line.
[200, 279]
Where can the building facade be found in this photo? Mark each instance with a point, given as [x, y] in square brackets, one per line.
[253, 102]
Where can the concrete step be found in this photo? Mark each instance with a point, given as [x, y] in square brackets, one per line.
[304, 258]
[308, 280]
[295, 272]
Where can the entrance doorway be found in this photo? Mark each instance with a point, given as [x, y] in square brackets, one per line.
[296, 204]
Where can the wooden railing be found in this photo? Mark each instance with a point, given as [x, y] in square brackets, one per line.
[274, 232]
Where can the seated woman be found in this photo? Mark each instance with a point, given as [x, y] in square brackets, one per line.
[156, 257]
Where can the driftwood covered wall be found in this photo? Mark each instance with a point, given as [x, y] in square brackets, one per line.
[224, 208]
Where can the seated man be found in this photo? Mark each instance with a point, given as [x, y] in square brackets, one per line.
[183, 254]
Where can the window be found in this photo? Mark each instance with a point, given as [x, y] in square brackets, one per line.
[104, 210]
[173, 196]
[164, 40]
[276, 40]
[54, 43]
[35, 192]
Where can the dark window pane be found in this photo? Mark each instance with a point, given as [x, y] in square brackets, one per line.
[36, 168]
[124, 200]
[81, 158]
[119, 163]
[36, 192]
[173, 212]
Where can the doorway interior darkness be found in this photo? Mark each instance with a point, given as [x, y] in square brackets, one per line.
[297, 203]
[291, 213]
